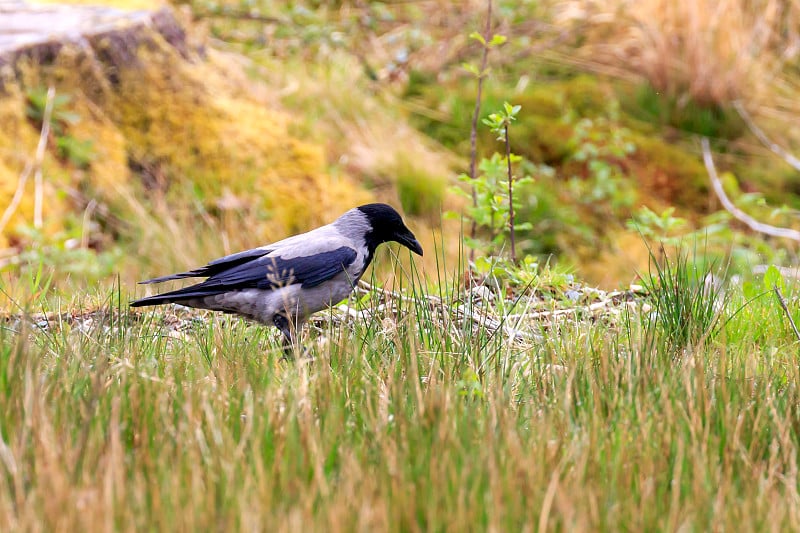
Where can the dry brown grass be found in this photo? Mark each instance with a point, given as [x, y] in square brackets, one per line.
[711, 50]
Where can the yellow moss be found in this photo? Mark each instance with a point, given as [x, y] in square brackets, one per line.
[108, 169]
[220, 143]
[616, 266]
[587, 95]
[669, 173]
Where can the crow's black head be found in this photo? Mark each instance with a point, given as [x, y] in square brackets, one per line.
[387, 226]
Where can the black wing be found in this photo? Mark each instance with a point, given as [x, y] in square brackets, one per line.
[216, 266]
[266, 272]
[271, 272]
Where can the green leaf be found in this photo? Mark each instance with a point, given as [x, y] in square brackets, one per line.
[773, 278]
[68, 117]
[482, 264]
[472, 69]
[497, 40]
[478, 37]
[80, 153]
[458, 191]
[749, 290]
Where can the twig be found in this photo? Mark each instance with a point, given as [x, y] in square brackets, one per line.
[785, 308]
[36, 163]
[473, 134]
[758, 132]
[752, 223]
[510, 198]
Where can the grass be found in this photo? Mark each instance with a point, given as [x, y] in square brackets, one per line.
[686, 301]
[409, 419]
[716, 52]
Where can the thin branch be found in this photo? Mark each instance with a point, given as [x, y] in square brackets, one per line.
[751, 223]
[510, 198]
[473, 134]
[758, 132]
[36, 163]
[785, 308]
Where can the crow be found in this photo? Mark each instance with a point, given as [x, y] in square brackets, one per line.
[284, 283]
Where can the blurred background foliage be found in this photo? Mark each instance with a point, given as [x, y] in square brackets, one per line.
[286, 113]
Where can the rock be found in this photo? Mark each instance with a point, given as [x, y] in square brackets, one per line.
[38, 32]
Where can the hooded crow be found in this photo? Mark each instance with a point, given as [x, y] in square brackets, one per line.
[285, 282]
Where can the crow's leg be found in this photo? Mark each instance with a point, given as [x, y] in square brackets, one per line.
[282, 323]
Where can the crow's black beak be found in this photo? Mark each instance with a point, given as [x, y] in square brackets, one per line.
[409, 241]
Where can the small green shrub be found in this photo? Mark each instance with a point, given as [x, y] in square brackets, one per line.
[599, 180]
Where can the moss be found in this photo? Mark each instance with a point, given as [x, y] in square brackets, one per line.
[177, 130]
[543, 129]
[543, 133]
[672, 174]
[421, 193]
[225, 144]
[657, 173]
[587, 95]
[649, 105]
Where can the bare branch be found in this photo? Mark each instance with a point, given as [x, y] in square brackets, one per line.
[758, 132]
[473, 134]
[510, 197]
[751, 223]
[36, 164]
